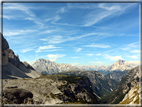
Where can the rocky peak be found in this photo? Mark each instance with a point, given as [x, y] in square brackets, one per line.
[5, 45]
[120, 62]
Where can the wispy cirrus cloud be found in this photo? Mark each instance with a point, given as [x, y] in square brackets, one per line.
[9, 17]
[54, 57]
[60, 39]
[47, 48]
[35, 20]
[17, 32]
[81, 6]
[46, 32]
[19, 7]
[109, 7]
[62, 10]
[98, 46]
[10, 8]
[109, 11]
[92, 19]
[130, 46]
[106, 56]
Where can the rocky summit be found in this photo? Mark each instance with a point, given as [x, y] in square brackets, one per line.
[22, 84]
[46, 66]
[125, 89]
[12, 67]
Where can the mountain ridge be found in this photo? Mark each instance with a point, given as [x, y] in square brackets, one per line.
[12, 67]
[48, 67]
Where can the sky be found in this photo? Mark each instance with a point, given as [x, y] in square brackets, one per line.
[73, 33]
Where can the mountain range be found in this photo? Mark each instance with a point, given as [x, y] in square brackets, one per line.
[120, 65]
[48, 67]
[66, 84]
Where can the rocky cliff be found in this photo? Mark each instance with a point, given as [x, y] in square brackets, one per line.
[12, 67]
[49, 89]
[116, 75]
[127, 84]
[100, 84]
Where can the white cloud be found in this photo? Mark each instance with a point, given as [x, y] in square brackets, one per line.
[98, 46]
[130, 46]
[133, 62]
[47, 31]
[26, 50]
[8, 17]
[54, 57]
[75, 57]
[56, 18]
[89, 54]
[10, 8]
[98, 54]
[92, 18]
[133, 56]
[62, 10]
[135, 51]
[106, 7]
[17, 32]
[16, 6]
[60, 39]
[47, 48]
[78, 50]
[106, 56]
[81, 6]
[109, 11]
[35, 20]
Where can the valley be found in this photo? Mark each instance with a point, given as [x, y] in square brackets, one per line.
[47, 82]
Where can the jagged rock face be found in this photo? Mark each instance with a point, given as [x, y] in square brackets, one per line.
[5, 45]
[99, 83]
[5, 48]
[116, 75]
[13, 59]
[132, 97]
[28, 66]
[12, 67]
[48, 90]
[17, 96]
[120, 62]
[130, 80]
[49, 67]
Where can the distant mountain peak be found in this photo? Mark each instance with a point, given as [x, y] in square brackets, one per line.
[120, 62]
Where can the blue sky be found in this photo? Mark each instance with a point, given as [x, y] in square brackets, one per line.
[75, 33]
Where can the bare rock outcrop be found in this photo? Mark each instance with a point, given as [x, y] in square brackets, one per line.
[17, 96]
[12, 67]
